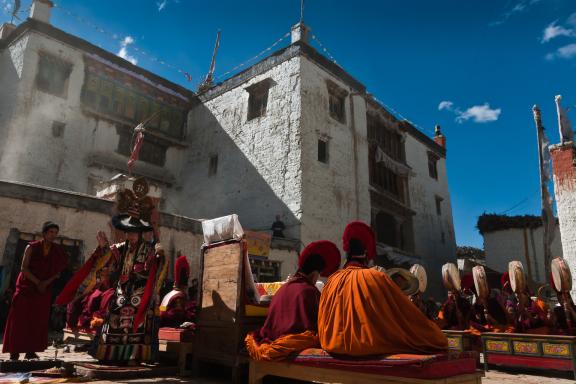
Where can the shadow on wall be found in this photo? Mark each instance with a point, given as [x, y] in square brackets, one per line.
[9, 80]
[219, 179]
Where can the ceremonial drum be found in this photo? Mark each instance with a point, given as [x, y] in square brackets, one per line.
[406, 281]
[517, 277]
[561, 276]
[451, 277]
[480, 281]
[420, 273]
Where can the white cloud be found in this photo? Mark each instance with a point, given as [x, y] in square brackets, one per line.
[123, 52]
[127, 41]
[565, 52]
[479, 114]
[518, 7]
[448, 105]
[553, 30]
[161, 5]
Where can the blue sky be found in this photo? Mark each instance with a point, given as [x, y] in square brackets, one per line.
[474, 67]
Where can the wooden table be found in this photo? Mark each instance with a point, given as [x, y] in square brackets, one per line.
[260, 369]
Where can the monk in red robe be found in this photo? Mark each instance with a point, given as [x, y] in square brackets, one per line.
[292, 322]
[27, 326]
[363, 312]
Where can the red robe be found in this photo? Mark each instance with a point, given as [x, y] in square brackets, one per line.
[27, 325]
[294, 309]
[292, 322]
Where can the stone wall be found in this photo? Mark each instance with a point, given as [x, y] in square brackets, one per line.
[336, 192]
[86, 151]
[25, 207]
[258, 161]
[506, 245]
[563, 160]
[434, 238]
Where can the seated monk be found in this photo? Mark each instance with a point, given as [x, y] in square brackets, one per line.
[292, 322]
[176, 308]
[565, 311]
[455, 312]
[487, 314]
[363, 312]
[417, 298]
[529, 317]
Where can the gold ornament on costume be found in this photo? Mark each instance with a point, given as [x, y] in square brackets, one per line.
[135, 201]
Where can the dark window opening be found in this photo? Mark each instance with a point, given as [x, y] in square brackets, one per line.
[53, 75]
[258, 98]
[213, 165]
[336, 102]
[443, 238]
[58, 128]
[439, 205]
[433, 165]
[323, 151]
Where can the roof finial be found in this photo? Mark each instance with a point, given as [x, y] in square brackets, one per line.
[209, 81]
[301, 11]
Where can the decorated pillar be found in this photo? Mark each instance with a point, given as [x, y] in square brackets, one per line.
[564, 169]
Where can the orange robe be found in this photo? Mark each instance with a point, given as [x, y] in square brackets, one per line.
[363, 312]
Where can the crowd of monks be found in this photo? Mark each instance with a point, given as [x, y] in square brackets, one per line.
[472, 306]
[363, 311]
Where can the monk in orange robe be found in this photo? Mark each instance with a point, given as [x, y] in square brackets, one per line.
[363, 312]
[292, 322]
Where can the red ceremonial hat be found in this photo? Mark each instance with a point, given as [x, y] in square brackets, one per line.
[327, 250]
[181, 272]
[364, 234]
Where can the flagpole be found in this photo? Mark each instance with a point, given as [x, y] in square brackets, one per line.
[543, 190]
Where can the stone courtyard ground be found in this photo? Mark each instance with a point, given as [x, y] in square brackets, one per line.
[492, 376]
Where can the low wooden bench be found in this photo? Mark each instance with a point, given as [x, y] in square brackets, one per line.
[71, 336]
[179, 348]
[260, 369]
[530, 351]
[315, 364]
[460, 340]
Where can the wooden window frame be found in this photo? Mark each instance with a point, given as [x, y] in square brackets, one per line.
[433, 165]
[45, 85]
[258, 98]
[336, 102]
